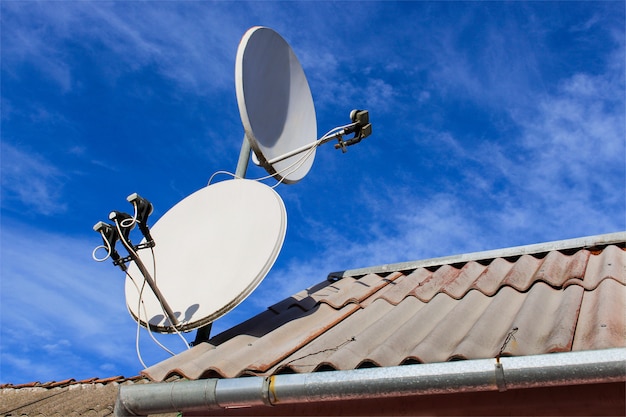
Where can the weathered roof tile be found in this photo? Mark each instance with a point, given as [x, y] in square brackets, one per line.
[522, 273]
[602, 318]
[64, 398]
[401, 287]
[520, 304]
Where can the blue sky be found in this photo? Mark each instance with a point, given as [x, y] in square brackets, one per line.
[494, 125]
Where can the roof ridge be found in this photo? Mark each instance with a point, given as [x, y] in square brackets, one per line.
[557, 269]
[560, 245]
[71, 381]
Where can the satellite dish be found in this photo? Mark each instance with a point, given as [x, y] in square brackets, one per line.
[211, 251]
[275, 103]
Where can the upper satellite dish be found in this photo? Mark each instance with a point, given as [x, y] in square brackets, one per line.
[212, 250]
[275, 103]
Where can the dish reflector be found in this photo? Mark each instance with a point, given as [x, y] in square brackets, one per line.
[211, 251]
[275, 102]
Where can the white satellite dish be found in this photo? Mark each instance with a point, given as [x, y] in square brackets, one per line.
[275, 103]
[211, 251]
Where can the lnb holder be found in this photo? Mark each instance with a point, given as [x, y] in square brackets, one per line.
[144, 209]
[124, 223]
[361, 127]
[109, 237]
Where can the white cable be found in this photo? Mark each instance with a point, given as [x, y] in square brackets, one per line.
[133, 220]
[222, 172]
[154, 275]
[162, 309]
[328, 134]
[290, 168]
[95, 258]
[297, 164]
[106, 246]
[142, 304]
[132, 252]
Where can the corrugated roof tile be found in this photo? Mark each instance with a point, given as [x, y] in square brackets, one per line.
[545, 310]
[266, 352]
[522, 274]
[489, 331]
[401, 287]
[348, 340]
[306, 299]
[259, 352]
[557, 267]
[419, 320]
[189, 364]
[432, 286]
[608, 264]
[602, 319]
[469, 274]
[493, 277]
[353, 290]
[537, 303]
[439, 344]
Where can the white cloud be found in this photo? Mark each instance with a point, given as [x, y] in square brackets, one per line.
[576, 147]
[32, 181]
[122, 38]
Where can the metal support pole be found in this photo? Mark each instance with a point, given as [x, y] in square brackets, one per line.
[244, 157]
[146, 275]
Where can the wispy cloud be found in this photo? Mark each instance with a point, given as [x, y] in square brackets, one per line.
[185, 46]
[62, 313]
[31, 181]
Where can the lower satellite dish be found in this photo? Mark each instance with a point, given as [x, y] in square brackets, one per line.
[211, 251]
[275, 103]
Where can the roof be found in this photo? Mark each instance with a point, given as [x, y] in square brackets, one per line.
[89, 397]
[556, 297]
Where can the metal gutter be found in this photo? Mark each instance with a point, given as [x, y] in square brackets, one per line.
[578, 243]
[555, 369]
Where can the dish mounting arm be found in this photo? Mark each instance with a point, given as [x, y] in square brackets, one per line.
[360, 127]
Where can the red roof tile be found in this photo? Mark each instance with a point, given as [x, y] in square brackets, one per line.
[556, 300]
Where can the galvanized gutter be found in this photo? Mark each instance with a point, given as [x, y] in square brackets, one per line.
[560, 245]
[555, 369]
